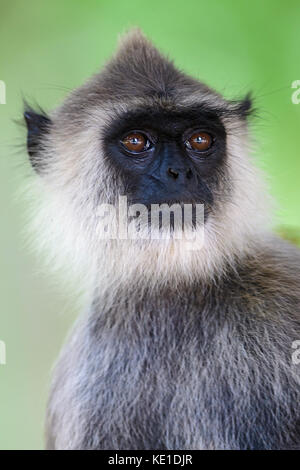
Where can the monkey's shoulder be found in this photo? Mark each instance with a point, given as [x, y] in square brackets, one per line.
[268, 279]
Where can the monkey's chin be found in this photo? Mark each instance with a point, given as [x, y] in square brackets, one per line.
[155, 241]
[150, 262]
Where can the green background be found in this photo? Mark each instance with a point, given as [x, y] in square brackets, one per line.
[49, 47]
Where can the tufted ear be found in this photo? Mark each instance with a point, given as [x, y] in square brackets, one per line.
[38, 125]
[245, 106]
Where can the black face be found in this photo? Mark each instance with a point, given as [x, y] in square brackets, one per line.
[168, 157]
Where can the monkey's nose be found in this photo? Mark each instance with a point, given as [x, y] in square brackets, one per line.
[175, 173]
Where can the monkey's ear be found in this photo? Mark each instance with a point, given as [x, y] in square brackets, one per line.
[245, 106]
[38, 125]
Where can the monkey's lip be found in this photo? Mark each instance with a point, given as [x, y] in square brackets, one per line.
[171, 202]
[168, 202]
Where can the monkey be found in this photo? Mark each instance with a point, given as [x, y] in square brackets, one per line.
[177, 348]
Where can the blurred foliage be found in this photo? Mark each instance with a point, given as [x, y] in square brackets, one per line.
[292, 234]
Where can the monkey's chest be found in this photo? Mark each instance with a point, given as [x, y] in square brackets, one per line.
[172, 381]
[161, 387]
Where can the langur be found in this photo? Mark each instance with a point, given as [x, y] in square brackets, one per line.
[183, 344]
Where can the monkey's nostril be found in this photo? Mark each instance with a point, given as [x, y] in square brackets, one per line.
[189, 174]
[173, 173]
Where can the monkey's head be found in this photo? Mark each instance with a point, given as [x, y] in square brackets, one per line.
[145, 130]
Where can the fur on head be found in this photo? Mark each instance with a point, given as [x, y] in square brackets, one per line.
[69, 151]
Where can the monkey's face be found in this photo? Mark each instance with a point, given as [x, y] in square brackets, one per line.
[168, 155]
[143, 129]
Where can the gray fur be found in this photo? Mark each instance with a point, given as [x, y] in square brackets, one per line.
[207, 369]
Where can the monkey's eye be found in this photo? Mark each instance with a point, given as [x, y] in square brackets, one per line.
[136, 142]
[199, 141]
